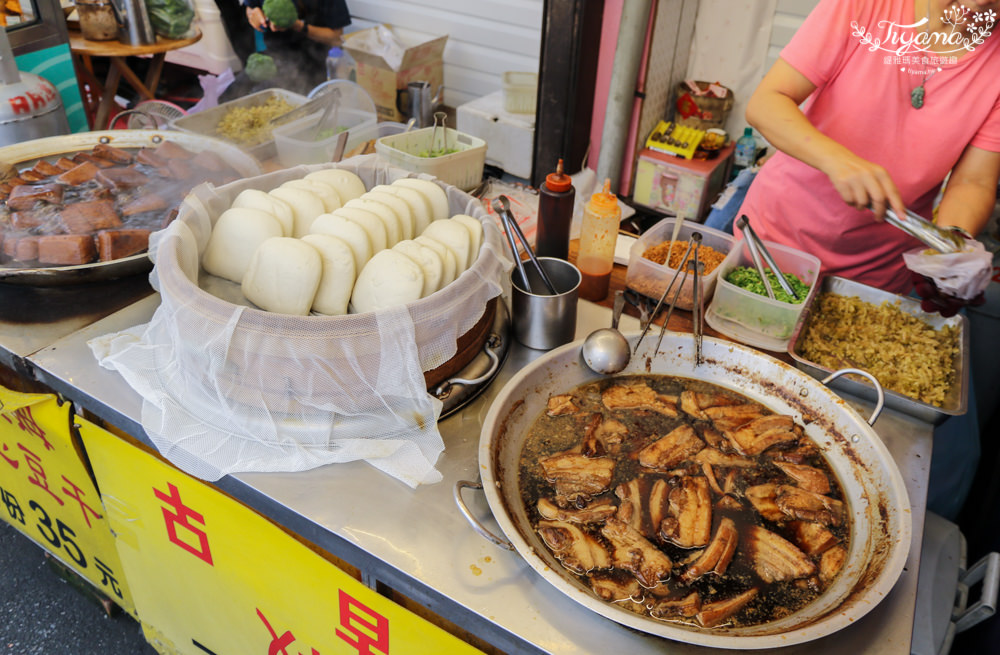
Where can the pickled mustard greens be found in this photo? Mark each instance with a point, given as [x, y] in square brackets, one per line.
[441, 152]
[749, 279]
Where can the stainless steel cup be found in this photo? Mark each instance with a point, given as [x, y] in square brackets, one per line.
[543, 321]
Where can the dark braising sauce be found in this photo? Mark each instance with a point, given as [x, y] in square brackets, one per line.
[551, 435]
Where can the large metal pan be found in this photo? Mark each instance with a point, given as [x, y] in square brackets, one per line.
[874, 490]
[24, 155]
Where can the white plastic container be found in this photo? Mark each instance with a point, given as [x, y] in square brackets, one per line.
[650, 279]
[754, 319]
[463, 168]
[519, 92]
[295, 143]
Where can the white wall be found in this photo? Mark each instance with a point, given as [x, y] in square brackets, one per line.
[485, 38]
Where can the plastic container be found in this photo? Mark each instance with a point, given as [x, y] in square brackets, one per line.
[651, 279]
[598, 236]
[305, 141]
[205, 122]
[463, 168]
[555, 214]
[361, 140]
[520, 91]
[757, 320]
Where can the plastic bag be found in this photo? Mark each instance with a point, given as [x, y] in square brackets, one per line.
[212, 86]
[379, 41]
[963, 275]
[171, 19]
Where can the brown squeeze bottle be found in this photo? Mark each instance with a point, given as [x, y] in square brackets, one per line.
[598, 236]
[555, 213]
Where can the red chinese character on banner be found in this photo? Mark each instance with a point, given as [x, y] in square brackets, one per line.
[13, 462]
[182, 516]
[76, 494]
[39, 478]
[26, 422]
[279, 645]
[372, 628]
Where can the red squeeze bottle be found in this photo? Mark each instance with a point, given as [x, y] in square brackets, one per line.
[555, 213]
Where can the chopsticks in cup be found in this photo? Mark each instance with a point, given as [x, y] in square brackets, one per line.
[501, 205]
[754, 242]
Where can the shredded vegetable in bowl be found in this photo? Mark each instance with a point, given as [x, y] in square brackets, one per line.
[749, 279]
[248, 126]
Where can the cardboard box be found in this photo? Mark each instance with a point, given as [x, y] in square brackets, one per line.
[678, 186]
[420, 62]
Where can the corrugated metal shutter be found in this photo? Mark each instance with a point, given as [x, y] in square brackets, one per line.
[788, 17]
[485, 38]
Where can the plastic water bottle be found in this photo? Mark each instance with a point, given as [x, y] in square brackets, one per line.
[746, 151]
[333, 59]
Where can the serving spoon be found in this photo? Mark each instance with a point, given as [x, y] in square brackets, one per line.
[606, 351]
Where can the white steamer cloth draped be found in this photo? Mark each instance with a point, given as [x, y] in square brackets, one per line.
[229, 388]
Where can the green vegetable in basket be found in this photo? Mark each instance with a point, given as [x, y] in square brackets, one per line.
[427, 154]
[170, 19]
[260, 67]
[281, 13]
[749, 279]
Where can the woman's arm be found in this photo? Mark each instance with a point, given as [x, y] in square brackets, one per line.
[774, 110]
[325, 35]
[970, 195]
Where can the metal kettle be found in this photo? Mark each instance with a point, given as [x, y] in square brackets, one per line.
[134, 26]
[30, 106]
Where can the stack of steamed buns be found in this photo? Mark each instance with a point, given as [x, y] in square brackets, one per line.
[325, 245]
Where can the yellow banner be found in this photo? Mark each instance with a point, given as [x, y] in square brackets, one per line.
[47, 493]
[211, 576]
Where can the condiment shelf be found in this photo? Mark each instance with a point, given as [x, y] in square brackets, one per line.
[416, 542]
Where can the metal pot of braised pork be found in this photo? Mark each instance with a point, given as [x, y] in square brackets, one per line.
[81, 207]
[738, 503]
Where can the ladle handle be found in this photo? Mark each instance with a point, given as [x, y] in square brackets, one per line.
[619, 306]
[473, 521]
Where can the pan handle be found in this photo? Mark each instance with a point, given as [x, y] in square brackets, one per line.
[871, 378]
[476, 525]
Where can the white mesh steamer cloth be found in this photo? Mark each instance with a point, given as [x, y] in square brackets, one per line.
[229, 388]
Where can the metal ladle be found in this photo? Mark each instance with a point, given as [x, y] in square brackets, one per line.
[606, 351]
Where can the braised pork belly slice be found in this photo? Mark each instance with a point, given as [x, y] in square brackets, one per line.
[145, 202]
[808, 506]
[634, 553]
[639, 395]
[762, 497]
[611, 432]
[66, 249]
[714, 438]
[79, 174]
[812, 538]
[685, 607]
[717, 555]
[615, 589]
[114, 244]
[831, 562]
[689, 524]
[694, 403]
[577, 550]
[758, 435]
[577, 477]
[561, 405]
[774, 558]
[87, 217]
[712, 614]
[48, 169]
[718, 458]
[111, 153]
[630, 509]
[806, 477]
[25, 196]
[799, 454]
[730, 417]
[121, 178]
[665, 453]
[596, 512]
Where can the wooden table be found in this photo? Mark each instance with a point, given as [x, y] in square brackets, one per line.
[83, 50]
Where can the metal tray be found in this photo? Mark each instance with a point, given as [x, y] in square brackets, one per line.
[206, 121]
[958, 397]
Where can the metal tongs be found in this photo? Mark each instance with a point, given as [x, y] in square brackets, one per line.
[501, 205]
[928, 233]
[323, 101]
[758, 251]
[695, 267]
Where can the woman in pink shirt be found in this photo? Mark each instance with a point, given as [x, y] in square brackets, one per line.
[872, 105]
[894, 95]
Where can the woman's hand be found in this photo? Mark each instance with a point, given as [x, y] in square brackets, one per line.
[863, 184]
[257, 19]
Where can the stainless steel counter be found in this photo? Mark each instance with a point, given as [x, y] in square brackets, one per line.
[417, 542]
